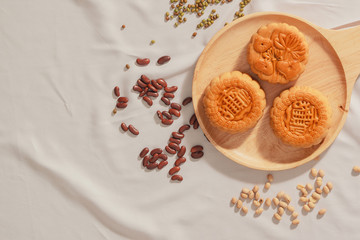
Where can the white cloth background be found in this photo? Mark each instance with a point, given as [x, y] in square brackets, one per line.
[68, 172]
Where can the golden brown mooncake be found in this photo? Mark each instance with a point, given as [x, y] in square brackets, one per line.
[234, 102]
[301, 116]
[278, 53]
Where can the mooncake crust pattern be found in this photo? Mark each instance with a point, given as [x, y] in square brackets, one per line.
[278, 53]
[301, 116]
[234, 102]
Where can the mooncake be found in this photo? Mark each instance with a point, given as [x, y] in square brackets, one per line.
[234, 102]
[301, 116]
[278, 53]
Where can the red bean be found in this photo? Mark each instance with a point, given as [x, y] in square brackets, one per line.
[141, 83]
[121, 105]
[187, 101]
[162, 164]
[152, 88]
[157, 85]
[151, 166]
[148, 100]
[163, 59]
[181, 151]
[183, 128]
[165, 100]
[152, 94]
[174, 112]
[177, 178]
[170, 150]
[162, 82]
[143, 61]
[168, 95]
[154, 158]
[197, 154]
[196, 148]
[179, 161]
[167, 121]
[146, 161]
[167, 114]
[137, 88]
[117, 91]
[145, 79]
[177, 135]
[196, 124]
[174, 146]
[159, 114]
[124, 127]
[176, 106]
[143, 93]
[123, 99]
[144, 152]
[174, 140]
[156, 150]
[133, 130]
[170, 89]
[192, 119]
[163, 156]
[174, 170]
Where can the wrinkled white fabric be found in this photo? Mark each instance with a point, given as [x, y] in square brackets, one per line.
[68, 172]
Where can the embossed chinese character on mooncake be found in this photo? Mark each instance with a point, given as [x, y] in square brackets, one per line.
[301, 116]
[278, 53]
[234, 102]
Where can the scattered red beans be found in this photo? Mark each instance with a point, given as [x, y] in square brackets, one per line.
[163, 59]
[148, 100]
[180, 161]
[117, 91]
[177, 178]
[144, 152]
[121, 105]
[162, 164]
[124, 127]
[165, 100]
[142, 61]
[174, 170]
[171, 89]
[187, 101]
[133, 130]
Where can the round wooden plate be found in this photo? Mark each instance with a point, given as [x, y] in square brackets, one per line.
[333, 66]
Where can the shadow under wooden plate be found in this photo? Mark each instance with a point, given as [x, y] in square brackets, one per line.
[333, 66]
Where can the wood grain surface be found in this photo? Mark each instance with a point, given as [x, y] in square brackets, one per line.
[333, 66]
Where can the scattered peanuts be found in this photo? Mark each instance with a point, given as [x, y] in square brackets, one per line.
[244, 209]
[313, 200]
[319, 181]
[313, 172]
[276, 201]
[277, 216]
[321, 173]
[251, 195]
[244, 195]
[239, 204]
[304, 192]
[318, 190]
[329, 185]
[270, 178]
[280, 211]
[316, 196]
[290, 208]
[283, 204]
[259, 211]
[256, 203]
[268, 202]
[295, 214]
[295, 222]
[234, 200]
[267, 185]
[299, 186]
[326, 189]
[311, 204]
[257, 196]
[255, 189]
[306, 208]
[322, 211]
[304, 199]
[309, 187]
[245, 190]
[280, 194]
[356, 169]
[287, 198]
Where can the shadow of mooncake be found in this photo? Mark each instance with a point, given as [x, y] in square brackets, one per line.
[301, 116]
[234, 102]
[278, 53]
